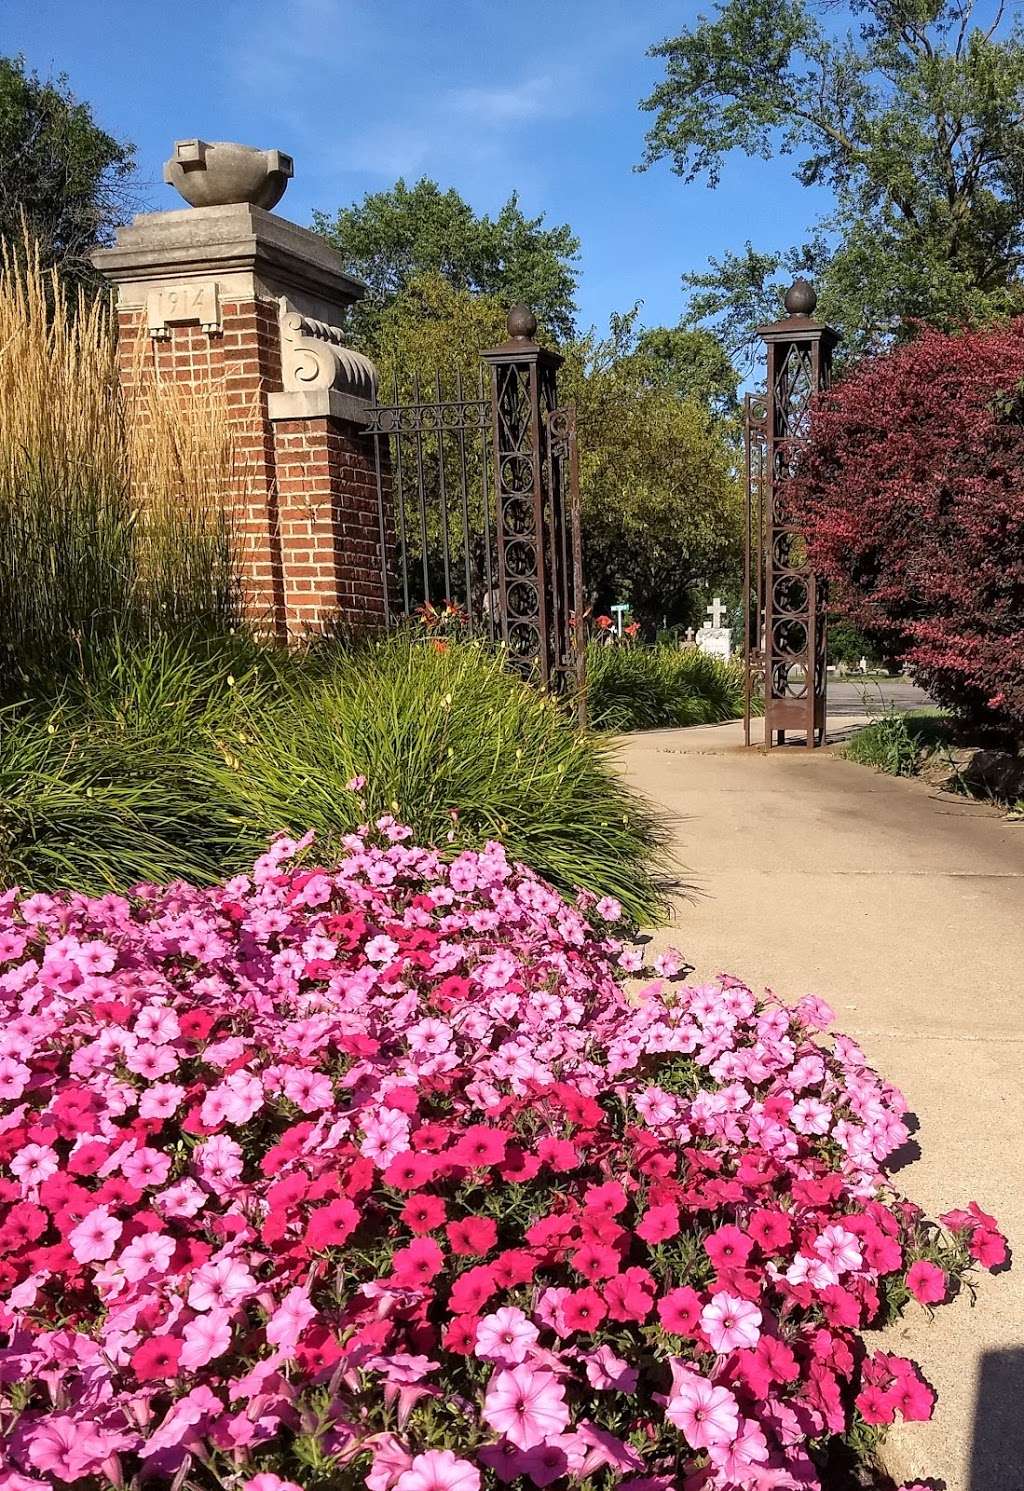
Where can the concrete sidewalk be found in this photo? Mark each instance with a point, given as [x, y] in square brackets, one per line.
[904, 909]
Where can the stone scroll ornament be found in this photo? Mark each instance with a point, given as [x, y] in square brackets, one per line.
[314, 356]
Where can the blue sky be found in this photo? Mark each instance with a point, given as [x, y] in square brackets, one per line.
[539, 96]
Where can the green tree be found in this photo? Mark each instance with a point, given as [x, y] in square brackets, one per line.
[66, 178]
[693, 363]
[914, 121]
[662, 516]
[391, 237]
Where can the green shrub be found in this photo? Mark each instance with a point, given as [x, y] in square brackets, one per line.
[642, 688]
[885, 744]
[180, 757]
[895, 743]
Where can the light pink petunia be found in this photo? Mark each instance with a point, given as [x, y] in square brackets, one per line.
[33, 1164]
[704, 1413]
[290, 1319]
[95, 1237]
[525, 1406]
[205, 1337]
[839, 1249]
[68, 1448]
[216, 1285]
[151, 1252]
[731, 1323]
[439, 1470]
[505, 1336]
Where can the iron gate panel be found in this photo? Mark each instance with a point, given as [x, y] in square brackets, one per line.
[478, 497]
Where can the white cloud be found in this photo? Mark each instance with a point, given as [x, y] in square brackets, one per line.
[534, 98]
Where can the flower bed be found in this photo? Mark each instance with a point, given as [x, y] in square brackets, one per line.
[372, 1175]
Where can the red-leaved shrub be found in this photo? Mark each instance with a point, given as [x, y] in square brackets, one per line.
[911, 492]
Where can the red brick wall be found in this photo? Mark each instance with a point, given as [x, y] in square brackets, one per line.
[306, 512]
[330, 513]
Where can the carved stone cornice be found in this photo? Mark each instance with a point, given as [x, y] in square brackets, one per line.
[320, 374]
[246, 250]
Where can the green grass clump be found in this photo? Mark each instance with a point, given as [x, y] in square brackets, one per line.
[644, 688]
[180, 757]
[896, 742]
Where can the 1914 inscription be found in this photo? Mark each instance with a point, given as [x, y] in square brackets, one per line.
[176, 305]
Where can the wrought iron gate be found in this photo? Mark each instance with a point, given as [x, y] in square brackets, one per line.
[785, 620]
[478, 496]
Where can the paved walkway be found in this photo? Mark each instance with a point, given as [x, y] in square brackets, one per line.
[905, 910]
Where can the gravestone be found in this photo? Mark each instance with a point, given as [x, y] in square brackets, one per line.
[716, 639]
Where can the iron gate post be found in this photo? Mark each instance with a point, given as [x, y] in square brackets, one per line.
[799, 356]
[532, 550]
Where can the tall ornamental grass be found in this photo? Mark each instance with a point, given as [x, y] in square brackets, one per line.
[179, 756]
[644, 688]
[111, 516]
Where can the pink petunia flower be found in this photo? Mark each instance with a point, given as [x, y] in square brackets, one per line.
[146, 1167]
[840, 1249]
[525, 1405]
[927, 1282]
[206, 1337]
[705, 1414]
[731, 1323]
[217, 1285]
[151, 1252]
[95, 1237]
[439, 1470]
[505, 1336]
[289, 1320]
[66, 1448]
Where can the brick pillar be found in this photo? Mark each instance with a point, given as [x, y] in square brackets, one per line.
[242, 300]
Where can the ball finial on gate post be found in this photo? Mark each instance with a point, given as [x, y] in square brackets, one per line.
[521, 323]
[801, 298]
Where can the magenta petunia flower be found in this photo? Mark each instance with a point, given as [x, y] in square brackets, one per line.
[927, 1282]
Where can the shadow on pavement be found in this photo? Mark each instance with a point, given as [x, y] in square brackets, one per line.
[997, 1444]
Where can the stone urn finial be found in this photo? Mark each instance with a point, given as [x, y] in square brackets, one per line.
[219, 172]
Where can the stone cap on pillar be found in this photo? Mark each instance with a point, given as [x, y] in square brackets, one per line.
[249, 252]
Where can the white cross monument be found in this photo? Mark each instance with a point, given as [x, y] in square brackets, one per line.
[714, 638]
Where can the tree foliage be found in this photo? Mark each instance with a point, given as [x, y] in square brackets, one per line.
[911, 494]
[62, 175]
[661, 499]
[914, 121]
[693, 364]
[392, 237]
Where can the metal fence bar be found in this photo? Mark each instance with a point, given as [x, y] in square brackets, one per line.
[488, 538]
[466, 540]
[444, 489]
[524, 474]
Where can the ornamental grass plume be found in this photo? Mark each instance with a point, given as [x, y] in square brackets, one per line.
[370, 1174]
[112, 517]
